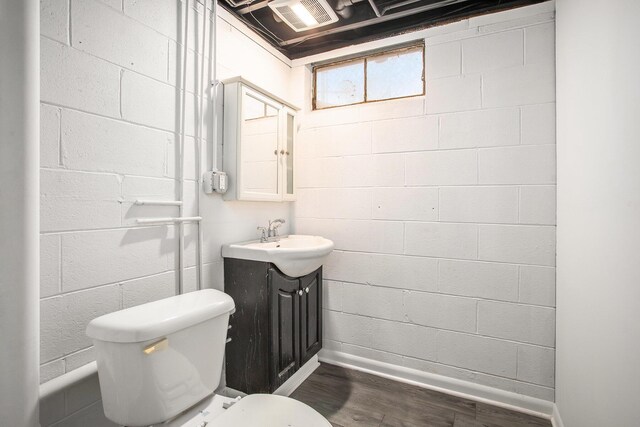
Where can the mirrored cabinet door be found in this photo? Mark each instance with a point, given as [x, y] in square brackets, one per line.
[259, 147]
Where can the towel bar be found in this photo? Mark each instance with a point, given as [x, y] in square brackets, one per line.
[169, 219]
[159, 202]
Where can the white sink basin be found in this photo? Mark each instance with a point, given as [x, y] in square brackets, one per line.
[294, 255]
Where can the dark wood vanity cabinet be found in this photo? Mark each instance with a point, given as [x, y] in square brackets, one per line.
[277, 326]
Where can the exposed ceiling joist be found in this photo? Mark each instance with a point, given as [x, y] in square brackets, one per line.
[348, 22]
[377, 20]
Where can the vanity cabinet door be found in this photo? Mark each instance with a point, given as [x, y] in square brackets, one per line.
[311, 315]
[285, 326]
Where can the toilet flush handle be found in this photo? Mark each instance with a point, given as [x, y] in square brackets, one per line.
[163, 344]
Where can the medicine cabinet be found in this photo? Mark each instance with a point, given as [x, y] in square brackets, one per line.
[259, 143]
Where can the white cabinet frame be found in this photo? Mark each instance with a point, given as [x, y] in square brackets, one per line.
[235, 91]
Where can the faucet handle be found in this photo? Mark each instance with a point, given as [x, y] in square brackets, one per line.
[263, 233]
[276, 222]
[274, 225]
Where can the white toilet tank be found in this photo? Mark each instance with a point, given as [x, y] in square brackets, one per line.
[158, 359]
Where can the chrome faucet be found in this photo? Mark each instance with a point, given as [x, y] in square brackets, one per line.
[270, 233]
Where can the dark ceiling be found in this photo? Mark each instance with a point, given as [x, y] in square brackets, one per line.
[392, 17]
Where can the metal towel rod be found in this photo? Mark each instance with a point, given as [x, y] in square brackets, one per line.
[169, 219]
[159, 202]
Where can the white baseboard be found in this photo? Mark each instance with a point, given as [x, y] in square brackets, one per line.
[453, 386]
[556, 420]
[298, 378]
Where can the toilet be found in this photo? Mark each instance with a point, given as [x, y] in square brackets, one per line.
[160, 363]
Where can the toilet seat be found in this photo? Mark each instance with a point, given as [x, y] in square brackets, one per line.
[266, 410]
[255, 410]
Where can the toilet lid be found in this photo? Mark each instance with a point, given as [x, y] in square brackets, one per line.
[267, 410]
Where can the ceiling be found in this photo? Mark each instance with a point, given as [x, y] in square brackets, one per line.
[360, 21]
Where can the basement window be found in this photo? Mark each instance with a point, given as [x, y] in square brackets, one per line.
[392, 74]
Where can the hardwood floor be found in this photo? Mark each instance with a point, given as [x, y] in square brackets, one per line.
[349, 398]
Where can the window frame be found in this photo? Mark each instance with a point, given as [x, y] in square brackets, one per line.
[365, 57]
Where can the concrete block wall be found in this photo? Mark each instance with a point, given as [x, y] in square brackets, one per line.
[111, 90]
[442, 209]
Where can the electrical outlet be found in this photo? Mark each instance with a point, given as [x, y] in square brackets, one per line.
[215, 182]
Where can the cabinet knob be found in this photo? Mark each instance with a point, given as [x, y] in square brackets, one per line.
[287, 153]
[281, 151]
[306, 289]
[300, 292]
[275, 152]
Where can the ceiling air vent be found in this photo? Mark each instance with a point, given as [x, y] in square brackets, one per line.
[302, 15]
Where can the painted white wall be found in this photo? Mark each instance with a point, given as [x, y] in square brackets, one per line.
[598, 369]
[19, 86]
[110, 135]
[442, 208]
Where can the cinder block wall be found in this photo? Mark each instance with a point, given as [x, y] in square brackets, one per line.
[111, 96]
[442, 209]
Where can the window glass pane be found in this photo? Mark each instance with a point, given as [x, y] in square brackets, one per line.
[395, 75]
[341, 84]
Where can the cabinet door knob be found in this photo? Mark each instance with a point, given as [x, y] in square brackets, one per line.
[306, 289]
[300, 292]
[275, 152]
[287, 153]
[281, 151]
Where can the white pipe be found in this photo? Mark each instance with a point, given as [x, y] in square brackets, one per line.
[180, 171]
[67, 380]
[159, 202]
[203, 87]
[234, 3]
[178, 220]
[214, 87]
[19, 216]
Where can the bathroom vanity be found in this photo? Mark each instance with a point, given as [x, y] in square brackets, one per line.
[277, 325]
